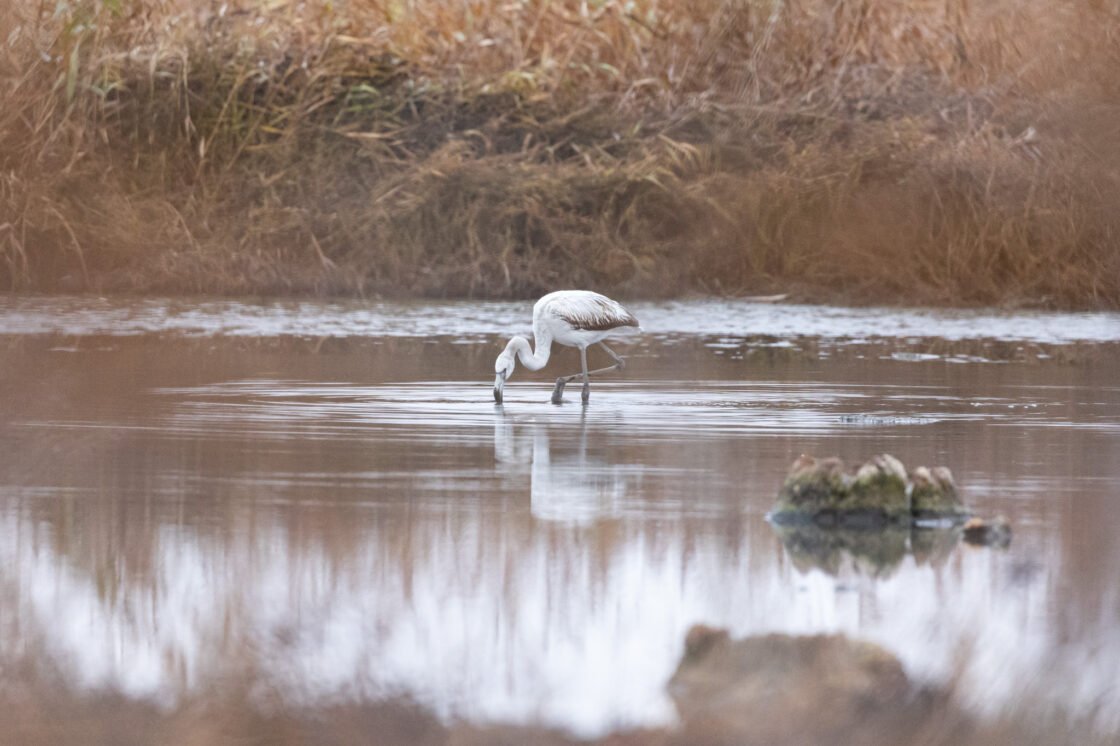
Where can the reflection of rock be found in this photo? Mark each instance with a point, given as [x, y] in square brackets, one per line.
[993, 533]
[873, 552]
[880, 492]
[773, 688]
[933, 546]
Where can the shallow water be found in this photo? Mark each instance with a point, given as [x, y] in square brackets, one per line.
[86, 315]
[324, 498]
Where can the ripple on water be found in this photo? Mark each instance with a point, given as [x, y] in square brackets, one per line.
[471, 320]
[646, 409]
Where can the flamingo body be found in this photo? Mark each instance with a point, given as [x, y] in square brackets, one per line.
[580, 318]
[574, 318]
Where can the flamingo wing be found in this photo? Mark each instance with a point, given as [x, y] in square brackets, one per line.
[588, 311]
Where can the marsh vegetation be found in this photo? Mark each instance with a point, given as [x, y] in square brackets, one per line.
[933, 152]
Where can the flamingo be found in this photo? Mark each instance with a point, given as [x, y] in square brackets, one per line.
[574, 318]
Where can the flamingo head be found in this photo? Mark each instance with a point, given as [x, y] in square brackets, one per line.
[503, 369]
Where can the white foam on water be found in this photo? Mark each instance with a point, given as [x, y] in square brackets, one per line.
[83, 316]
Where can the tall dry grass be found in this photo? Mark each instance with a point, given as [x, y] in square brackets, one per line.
[869, 151]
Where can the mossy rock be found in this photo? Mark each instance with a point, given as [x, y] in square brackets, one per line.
[880, 484]
[821, 491]
[934, 494]
[881, 492]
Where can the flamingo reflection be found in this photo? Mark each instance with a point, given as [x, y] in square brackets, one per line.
[566, 485]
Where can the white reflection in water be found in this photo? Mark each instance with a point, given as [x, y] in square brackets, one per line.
[577, 623]
[573, 488]
[87, 315]
[564, 600]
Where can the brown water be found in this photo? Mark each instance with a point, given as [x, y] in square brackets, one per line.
[324, 500]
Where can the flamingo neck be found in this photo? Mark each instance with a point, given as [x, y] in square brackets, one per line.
[531, 360]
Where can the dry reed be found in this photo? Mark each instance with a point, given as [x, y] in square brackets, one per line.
[866, 151]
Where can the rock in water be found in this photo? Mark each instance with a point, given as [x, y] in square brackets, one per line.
[993, 533]
[880, 492]
[880, 484]
[934, 494]
[785, 689]
[822, 491]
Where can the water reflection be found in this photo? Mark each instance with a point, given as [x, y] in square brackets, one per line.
[874, 552]
[566, 485]
[334, 535]
[485, 616]
[730, 318]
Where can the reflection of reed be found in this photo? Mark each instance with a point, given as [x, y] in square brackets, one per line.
[478, 611]
[392, 557]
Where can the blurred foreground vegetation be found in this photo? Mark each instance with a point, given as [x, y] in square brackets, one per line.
[871, 151]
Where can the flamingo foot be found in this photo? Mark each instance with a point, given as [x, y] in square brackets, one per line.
[558, 392]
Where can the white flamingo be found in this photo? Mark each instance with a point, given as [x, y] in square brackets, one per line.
[575, 318]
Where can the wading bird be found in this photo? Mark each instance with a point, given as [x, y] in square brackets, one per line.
[574, 318]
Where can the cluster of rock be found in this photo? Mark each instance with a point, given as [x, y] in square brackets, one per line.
[775, 688]
[880, 492]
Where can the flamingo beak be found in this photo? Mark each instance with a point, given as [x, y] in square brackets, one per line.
[499, 384]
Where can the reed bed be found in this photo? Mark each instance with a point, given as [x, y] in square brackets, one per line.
[944, 152]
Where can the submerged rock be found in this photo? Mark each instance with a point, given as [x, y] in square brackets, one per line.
[993, 533]
[880, 492]
[771, 688]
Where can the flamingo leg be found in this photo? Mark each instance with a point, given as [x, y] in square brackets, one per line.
[586, 395]
[558, 392]
[619, 362]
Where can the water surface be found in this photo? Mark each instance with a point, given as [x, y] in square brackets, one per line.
[324, 499]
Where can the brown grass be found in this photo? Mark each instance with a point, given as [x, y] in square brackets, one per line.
[870, 151]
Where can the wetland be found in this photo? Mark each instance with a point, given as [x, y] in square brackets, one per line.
[300, 507]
